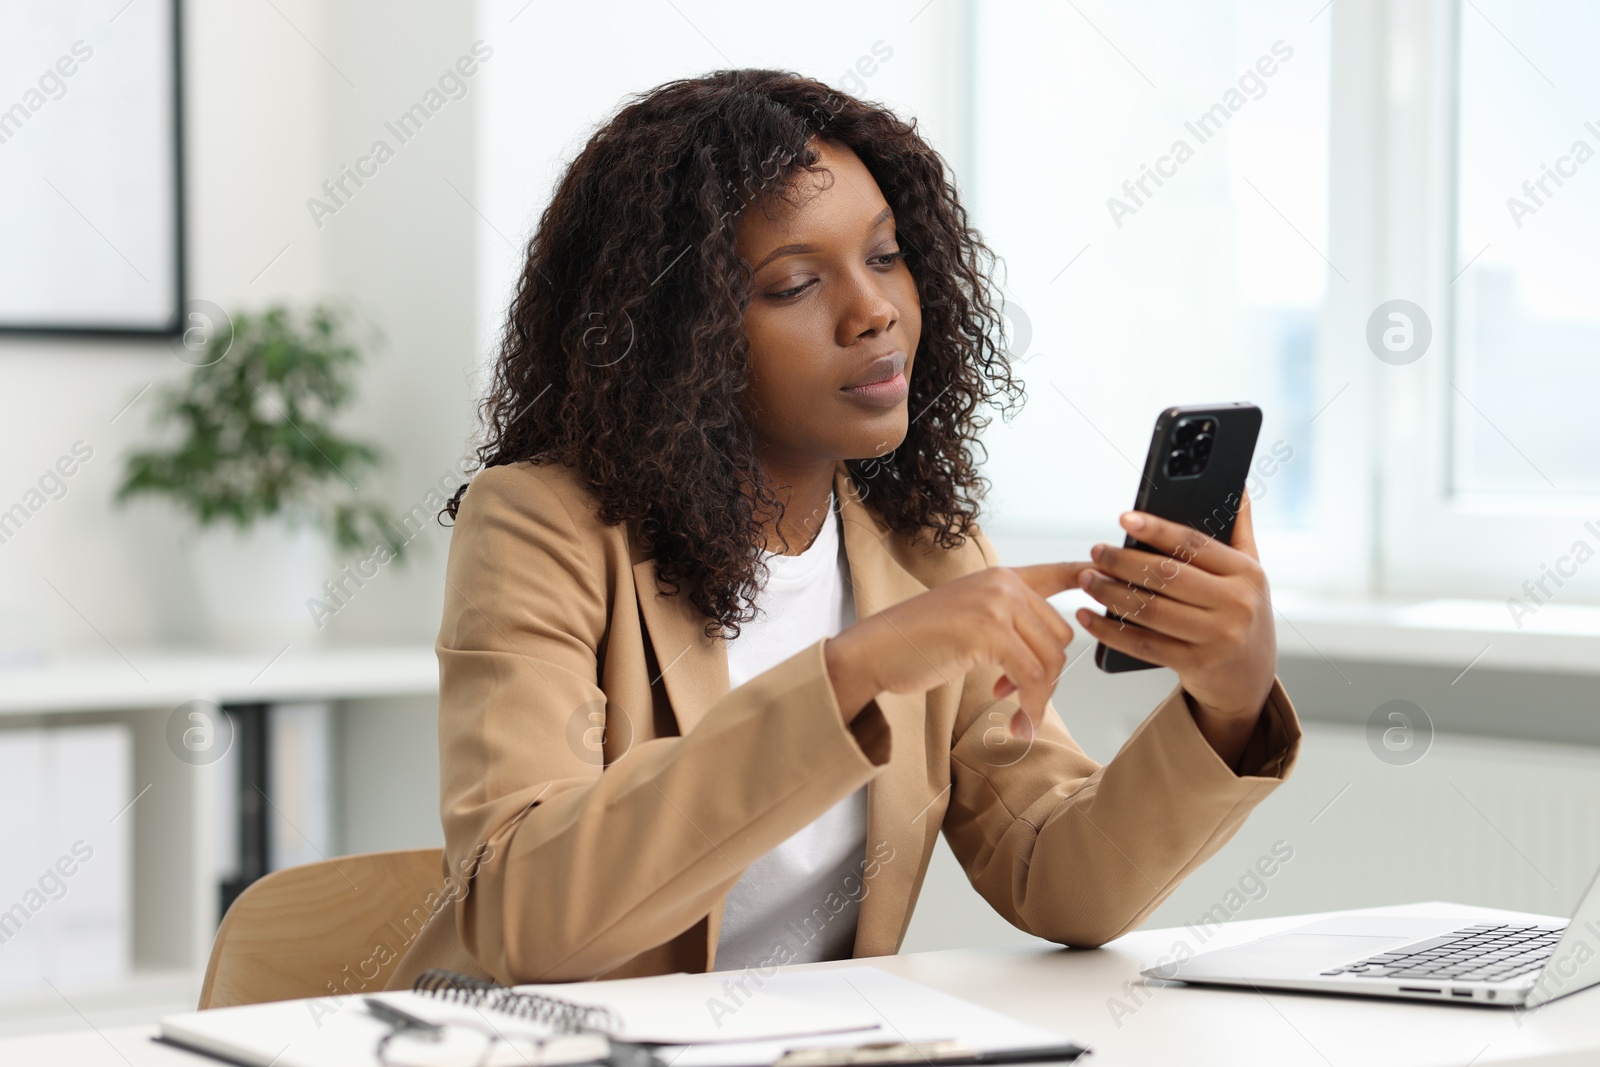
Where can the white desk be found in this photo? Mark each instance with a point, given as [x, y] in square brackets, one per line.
[1076, 993]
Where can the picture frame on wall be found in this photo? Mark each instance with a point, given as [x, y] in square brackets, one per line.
[91, 168]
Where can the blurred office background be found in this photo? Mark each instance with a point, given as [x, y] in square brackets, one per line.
[1193, 202]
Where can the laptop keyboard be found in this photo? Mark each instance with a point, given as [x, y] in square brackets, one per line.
[1487, 952]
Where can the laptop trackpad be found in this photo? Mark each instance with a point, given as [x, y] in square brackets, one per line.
[1292, 955]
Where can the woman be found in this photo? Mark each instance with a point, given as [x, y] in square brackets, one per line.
[723, 646]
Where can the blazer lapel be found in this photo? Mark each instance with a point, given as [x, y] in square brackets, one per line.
[692, 666]
[901, 823]
[694, 670]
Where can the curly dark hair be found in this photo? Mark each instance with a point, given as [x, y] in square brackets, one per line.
[624, 353]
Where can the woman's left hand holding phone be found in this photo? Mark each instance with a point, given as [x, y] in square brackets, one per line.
[1203, 610]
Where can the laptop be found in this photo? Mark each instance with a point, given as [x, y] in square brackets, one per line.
[1489, 957]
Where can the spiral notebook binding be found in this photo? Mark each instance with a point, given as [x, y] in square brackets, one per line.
[563, 1016]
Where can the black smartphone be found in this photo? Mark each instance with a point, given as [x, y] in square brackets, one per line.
[1194, 474]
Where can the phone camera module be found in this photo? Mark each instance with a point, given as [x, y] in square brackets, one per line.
[1192, 440]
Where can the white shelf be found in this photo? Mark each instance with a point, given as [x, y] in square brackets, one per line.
[1440, 632]
[165, 677]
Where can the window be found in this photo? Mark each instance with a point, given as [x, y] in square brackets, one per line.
[1156, 179]
[1527, 322]
[1445, 154]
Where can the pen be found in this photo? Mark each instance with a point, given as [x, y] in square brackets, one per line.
[940, 1053]
[1068, 1051]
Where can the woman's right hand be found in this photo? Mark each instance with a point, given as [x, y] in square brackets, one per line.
[997, 616]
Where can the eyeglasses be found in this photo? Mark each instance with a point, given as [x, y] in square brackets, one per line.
[414, 1042]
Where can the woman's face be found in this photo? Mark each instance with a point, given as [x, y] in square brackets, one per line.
[833, 321]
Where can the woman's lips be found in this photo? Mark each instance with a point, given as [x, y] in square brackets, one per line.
[884, 394]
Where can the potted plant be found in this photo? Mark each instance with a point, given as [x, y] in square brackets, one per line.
[256, 464]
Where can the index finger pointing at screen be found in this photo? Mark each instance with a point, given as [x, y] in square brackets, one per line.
[1048, 579]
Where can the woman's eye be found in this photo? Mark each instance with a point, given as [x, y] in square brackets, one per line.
[796, 291]
[884, 259]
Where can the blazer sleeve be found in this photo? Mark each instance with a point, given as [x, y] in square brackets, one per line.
[577, 869]
[1079, 853]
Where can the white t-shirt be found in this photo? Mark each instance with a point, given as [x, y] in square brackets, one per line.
[781, 910]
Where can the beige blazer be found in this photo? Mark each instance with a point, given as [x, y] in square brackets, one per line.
[602, 789]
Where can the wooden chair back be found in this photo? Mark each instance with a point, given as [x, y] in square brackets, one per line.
[322, 929]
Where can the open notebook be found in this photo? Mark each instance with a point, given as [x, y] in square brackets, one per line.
[698, 1020]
